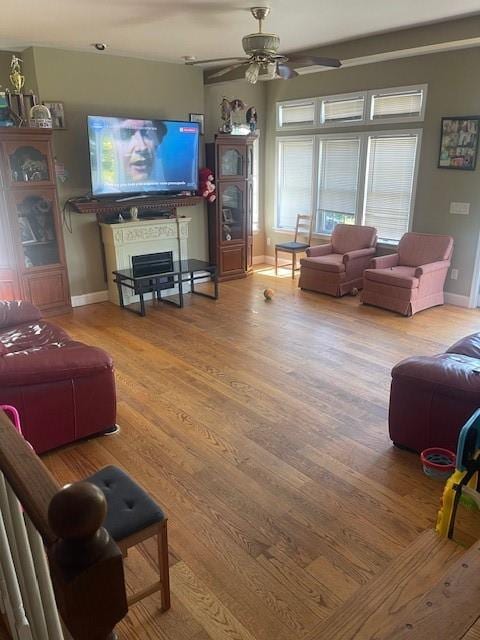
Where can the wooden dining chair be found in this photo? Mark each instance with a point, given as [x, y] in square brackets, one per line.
[304, 227]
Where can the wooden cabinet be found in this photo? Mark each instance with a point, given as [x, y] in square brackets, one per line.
[32, 253]
[230, 216]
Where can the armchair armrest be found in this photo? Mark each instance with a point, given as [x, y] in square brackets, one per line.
[17, 312]
[358, 253]
[431, 267]
[384, 262]
[319, 250]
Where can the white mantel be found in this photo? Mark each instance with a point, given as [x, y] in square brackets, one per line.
[138, 237]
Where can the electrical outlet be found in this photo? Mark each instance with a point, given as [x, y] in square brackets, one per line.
[454, 274]
[460, 208]
[268, 242]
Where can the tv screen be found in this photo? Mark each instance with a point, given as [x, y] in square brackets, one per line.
[130, 156]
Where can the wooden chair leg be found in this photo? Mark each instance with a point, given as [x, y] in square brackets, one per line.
[293, 265]
[276, 262]
[163, 569]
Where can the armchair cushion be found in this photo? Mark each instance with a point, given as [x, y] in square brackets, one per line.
[350, 237]
[415, 249]
[358, 253]
[397, 277]
[319, 250]
[332, 262]
[384, 262]
[431, 267]
[17, 312]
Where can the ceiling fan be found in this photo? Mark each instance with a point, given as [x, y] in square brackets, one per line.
[263, 59]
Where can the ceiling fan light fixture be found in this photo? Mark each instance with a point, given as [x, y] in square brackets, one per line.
[252, 72]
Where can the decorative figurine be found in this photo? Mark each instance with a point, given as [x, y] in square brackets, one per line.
[252, 119]
[226, 113]
[16, 77]
[134, 213]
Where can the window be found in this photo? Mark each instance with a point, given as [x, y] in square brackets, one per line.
[337, 182]
[399, 104]
[341, 110]
[391, 162]
[388, 104]
[361, 178]
[295, 179]
[296, 114]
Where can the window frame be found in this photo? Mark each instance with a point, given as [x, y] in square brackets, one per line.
[367, 120]
[363, 137]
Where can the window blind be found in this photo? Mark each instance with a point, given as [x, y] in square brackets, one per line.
[389, 184]
[343, 110]
[295, 180]
[338, 182]
[296, 114]
[396, 104]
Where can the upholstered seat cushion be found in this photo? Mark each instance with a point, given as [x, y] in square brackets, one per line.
[129, 507]
[332, 262]
[396, 276]
[292, 246]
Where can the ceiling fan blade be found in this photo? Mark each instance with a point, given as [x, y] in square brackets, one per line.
[223, 72]
[285, 72]
[314, 60]
[193, 62]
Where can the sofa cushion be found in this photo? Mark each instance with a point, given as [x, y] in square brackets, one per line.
[468, 346]
[332, 262]
[349, 237]
[33, 335]
[15, 312]
[396, 276]
[415, 249]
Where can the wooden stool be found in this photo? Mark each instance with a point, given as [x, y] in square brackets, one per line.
[132, 518]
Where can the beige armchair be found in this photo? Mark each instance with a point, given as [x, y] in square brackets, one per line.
[337, 268]
[413, 278]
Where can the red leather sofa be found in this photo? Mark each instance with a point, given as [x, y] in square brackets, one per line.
[63, 389]
[432, 397]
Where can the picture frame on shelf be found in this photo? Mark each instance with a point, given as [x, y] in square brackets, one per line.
[459, 143]
[200, 119]
[26, 232]
[57, 111]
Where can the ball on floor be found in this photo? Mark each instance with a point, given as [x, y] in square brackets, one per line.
[268, 294]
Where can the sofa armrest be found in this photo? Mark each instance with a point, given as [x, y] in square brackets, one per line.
[431, 267]
[358, 253]
[17, 312]
[319, 250]
[52, 364]
[384, 262]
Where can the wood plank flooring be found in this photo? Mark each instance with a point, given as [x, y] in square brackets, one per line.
[261, 428]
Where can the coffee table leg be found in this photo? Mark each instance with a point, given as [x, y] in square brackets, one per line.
[180, 290]
[142, 305]
[120, 293]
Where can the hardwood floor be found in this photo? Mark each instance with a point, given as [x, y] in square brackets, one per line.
[261, 428]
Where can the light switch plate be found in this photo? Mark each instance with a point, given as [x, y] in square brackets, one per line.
[454, 274]
[460, 208]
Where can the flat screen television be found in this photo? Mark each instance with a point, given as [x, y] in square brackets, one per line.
[132, 156]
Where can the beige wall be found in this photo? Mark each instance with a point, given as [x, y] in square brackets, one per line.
[452, 91]
[100, 84]
[252, 95]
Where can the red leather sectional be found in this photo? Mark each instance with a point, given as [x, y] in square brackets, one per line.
[63, 389]
[432, 397]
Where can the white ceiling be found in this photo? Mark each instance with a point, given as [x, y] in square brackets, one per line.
[170, 29]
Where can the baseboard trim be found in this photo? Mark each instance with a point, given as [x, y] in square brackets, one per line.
[258, 259]
[89, 298]
[281, 261]
[457, 300]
